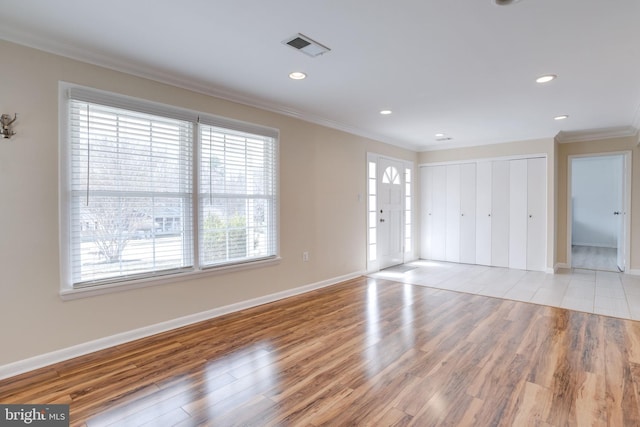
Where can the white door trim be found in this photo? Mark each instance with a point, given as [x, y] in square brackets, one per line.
[484, 159]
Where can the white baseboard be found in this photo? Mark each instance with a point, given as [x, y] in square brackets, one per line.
[560, 265]
[40, 361]
[631, 272]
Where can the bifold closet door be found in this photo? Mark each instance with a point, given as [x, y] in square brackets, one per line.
[426, 207]
[452, 246]
[483, 213]
[537, 213]
[433, 180]
[468, 213]
[500, 213]
[518, 214]
[486, 212]
[527, 214]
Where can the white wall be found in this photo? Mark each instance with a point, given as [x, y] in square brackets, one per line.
[596, 193]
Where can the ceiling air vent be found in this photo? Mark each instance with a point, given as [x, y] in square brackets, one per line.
[446, 138]
[505, 2]
[306, 45]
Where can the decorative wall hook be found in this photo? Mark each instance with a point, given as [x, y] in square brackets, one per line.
[6, 121]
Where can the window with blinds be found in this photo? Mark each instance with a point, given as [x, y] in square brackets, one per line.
[237, 196]
[135, 207]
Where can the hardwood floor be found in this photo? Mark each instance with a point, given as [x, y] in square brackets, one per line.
[364, 352]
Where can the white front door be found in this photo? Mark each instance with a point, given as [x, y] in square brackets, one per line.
[390, 212]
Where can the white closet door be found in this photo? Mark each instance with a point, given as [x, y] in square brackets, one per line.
[537, 214]
[486, 212]
[483, 213]
[426, 214]
[453, 213]
[438, 213]
[518, 214]
[500, 213]
[468, 213]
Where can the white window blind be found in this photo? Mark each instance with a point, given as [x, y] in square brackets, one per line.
[138, 178]
[237, 196]
[131, 193]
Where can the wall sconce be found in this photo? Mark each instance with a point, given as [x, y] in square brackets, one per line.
[6, 121]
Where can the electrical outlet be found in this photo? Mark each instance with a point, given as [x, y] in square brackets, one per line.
[305, 256]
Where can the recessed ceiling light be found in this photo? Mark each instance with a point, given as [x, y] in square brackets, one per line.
[297, 75]
[385, 112]
[546, 78]
[562, 117]
[438, 135]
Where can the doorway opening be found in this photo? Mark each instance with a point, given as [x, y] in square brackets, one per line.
[598, 221]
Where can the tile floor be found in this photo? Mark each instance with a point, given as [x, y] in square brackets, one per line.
[600, 292]
[594, 258]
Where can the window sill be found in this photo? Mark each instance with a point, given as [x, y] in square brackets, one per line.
[68, 293]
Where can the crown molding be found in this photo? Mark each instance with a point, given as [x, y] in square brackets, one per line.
[636, 123]
[636, 118]
[565, 137]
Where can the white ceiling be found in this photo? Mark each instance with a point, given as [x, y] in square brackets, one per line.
[466, 68]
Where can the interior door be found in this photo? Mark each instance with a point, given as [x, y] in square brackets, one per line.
[390, 213]
[620, 214]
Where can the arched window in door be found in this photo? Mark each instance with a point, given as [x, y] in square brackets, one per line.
[391, 176]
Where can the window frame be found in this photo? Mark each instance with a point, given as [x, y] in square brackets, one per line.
[68, 290]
